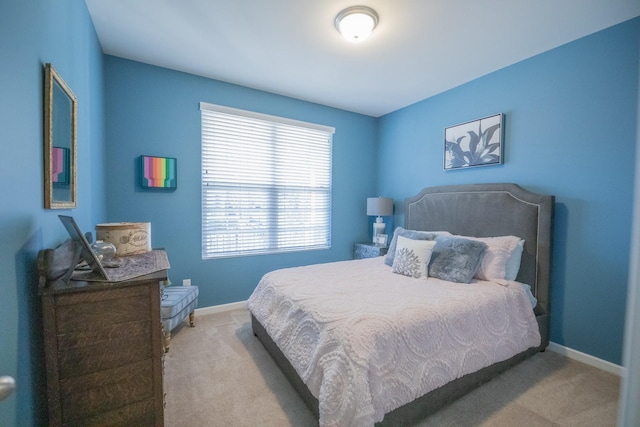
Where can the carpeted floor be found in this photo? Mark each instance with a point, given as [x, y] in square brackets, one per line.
[218, 374]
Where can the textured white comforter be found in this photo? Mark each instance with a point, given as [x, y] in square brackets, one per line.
[366, 340]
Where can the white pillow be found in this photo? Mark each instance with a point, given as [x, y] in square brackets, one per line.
[533, 300]
[412, 257]
[513, 263]
[494, 261]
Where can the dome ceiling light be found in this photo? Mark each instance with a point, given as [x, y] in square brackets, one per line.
[356, 23]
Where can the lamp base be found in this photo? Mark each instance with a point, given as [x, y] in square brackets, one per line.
[378, 228]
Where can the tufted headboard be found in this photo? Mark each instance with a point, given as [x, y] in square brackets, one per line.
[486, 210]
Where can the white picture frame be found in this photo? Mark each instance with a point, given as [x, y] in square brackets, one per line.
[380, 239]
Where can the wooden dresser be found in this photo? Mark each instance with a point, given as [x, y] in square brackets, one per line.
[103, 350]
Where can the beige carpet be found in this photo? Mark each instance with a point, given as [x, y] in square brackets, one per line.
[218, 374]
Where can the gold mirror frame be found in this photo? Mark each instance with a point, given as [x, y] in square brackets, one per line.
[60, 108]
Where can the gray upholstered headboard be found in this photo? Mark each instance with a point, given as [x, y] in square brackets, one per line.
[486, 210]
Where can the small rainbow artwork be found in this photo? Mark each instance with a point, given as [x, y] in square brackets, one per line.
[158, 172]
[60, 166]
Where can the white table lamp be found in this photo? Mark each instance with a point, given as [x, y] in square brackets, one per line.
[379, 207]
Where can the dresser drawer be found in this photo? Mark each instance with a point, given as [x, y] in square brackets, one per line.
[76, 361]
[107, 390]
[94, 310]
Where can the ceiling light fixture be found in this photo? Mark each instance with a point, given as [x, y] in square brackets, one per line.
[356, 23]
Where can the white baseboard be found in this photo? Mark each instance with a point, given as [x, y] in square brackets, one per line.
[556, 348]
[612, 368]
[221, 308]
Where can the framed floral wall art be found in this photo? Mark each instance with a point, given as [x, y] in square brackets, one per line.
[474, 143]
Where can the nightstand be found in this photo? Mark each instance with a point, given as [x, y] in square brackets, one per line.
[368, 250]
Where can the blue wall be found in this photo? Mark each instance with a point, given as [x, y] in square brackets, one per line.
[571, 132]
[155, 111]
[32, 33]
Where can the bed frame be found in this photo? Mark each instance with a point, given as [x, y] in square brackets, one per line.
[480, 210]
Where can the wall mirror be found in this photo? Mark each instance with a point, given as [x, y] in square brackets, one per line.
[59, 142]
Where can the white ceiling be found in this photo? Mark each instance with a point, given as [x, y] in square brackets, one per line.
[290, 47]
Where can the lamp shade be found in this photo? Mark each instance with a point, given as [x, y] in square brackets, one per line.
[379, 206]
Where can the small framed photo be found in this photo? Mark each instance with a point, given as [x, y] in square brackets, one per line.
[474, 143]
[158, 172]
[380, 239]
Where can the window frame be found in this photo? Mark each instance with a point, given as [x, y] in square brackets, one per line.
[277, 181]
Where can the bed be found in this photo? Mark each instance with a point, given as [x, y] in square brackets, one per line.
[343, 384]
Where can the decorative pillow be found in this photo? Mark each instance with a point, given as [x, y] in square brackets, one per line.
[456, 259]
[410, 234]
[412, 257]
[513, 263]
[494, 261]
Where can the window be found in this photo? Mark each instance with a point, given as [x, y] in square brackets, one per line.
[266, 183]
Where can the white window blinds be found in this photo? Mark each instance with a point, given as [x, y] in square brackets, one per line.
[266, 183]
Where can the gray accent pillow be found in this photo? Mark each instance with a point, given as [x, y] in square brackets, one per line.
[455, 259]
[409, 234]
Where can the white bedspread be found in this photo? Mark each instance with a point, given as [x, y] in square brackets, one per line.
[366, 340]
